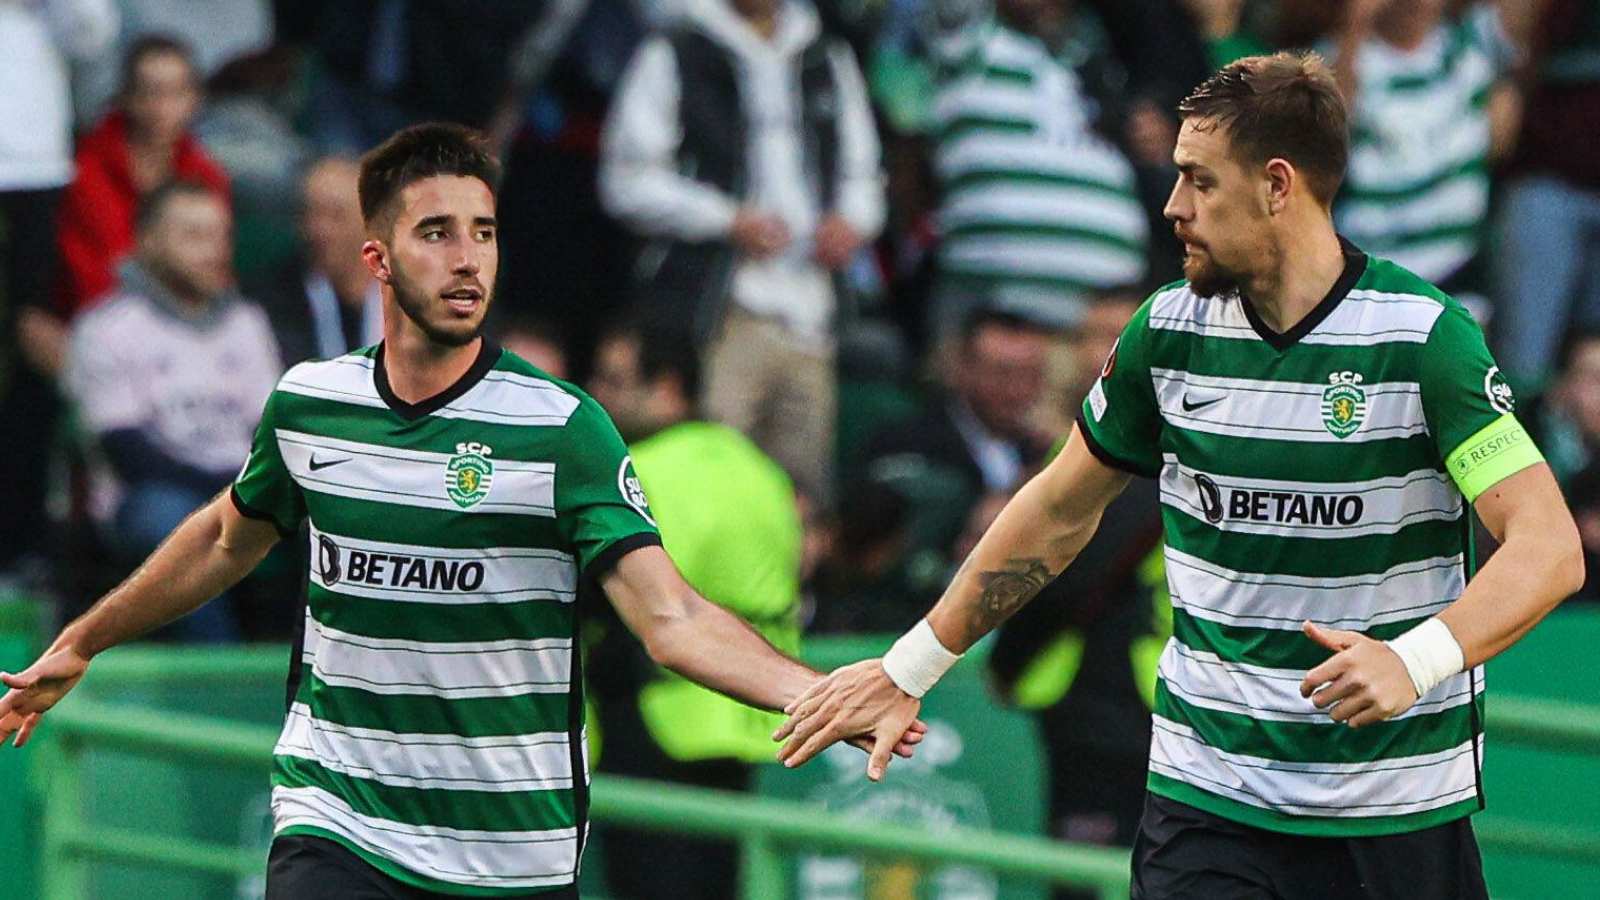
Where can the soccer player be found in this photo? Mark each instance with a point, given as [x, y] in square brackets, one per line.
[1318, 420]
[456, 498]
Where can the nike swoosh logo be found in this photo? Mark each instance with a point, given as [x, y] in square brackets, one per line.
[315, 464]
[1191, 407]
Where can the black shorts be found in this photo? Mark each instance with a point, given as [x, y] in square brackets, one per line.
[1183, 853]
[302, 867]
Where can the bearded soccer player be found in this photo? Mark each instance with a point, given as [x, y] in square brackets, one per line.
[1319, 421]
[456, 497]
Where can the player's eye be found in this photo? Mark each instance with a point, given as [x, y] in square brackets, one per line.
[433, 234]
[486, 234]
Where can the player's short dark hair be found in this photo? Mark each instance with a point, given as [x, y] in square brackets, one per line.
[153, 45]
[664, 348]
[1284, 106]
[422, 151]
[154, 204]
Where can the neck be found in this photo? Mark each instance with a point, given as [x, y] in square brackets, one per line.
[419, 367]
[1305, 265]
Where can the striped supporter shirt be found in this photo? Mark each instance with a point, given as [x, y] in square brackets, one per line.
[1322, 474]
[1038, 207]
[1417, 190]
[435, 716]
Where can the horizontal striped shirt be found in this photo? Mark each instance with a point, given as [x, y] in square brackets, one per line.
[1313, 475]
[1417, 189]
[435, 722]
[1038, 208]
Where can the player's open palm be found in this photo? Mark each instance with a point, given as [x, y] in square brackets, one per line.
[1364, 681]
[858, 699]
[37, 688]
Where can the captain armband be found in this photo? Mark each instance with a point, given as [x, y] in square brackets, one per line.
[1501, 449]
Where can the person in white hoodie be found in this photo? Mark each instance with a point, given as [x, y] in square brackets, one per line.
[39, 39]
[741, 148]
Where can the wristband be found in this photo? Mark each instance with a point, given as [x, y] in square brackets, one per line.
[917, 661]
[1431, 654]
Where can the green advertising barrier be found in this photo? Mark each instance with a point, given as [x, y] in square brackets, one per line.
[980, 766]
[1553, 791]
[19, 643]
[164, 796]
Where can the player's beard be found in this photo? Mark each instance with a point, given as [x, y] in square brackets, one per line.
[1207, 278]
[415, 304]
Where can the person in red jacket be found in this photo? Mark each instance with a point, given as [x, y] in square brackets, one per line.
[142, 143]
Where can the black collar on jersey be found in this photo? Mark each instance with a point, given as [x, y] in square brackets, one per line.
[488, 354]
[1355, 263]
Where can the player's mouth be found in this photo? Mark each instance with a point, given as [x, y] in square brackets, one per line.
[463, 301]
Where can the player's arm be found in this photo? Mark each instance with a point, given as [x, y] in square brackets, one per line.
[1539, 564]
[1496, 467]
[697, 638]
[705, 643]
[209, 552]
[1035, 537]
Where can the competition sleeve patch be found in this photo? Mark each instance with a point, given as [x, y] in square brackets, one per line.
[1501, 449]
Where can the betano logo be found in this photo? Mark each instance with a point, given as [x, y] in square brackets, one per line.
[337, 564]
[1276, 507]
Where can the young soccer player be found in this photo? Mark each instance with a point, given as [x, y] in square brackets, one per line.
[456, 496]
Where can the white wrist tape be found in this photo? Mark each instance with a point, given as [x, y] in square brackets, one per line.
[917, 661]
[1431, 654]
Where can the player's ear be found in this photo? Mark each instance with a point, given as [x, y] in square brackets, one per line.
[1279, 181]
[376, 255]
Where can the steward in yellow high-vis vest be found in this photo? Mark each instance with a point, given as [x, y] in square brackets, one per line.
[729, 520]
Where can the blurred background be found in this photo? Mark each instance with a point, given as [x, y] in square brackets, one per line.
[841, 271]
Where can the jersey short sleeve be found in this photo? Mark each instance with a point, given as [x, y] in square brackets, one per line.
[601, 510]
[1121, 421]
[265, 489]
[1469, 407]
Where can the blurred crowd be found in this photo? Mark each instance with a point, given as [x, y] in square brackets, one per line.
[868, 253]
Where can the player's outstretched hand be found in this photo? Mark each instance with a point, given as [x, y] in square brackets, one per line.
[1364, 681]
[857, 700]
[35, 689]
[904, 747]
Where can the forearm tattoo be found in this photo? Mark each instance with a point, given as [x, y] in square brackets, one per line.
[1005, 591]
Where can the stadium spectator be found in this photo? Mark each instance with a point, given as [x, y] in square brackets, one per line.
[1546, 252]
[1223, 30]
[728, 519]
[246, 127]
[143, 143]
[1039, 209]
[772, 119]
[867, 582]
[326, 303]
[215, 31]
[1428, 98]
[168, 376]
[975, 437]
[536, 341]
[38, 43]
[1566, 418]
[563, 259]
[1082, 657]
[384, 64]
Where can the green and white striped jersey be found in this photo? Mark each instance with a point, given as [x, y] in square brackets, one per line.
[1037, 207]
[1316, 474]
[1417, 188]
[435, 721]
